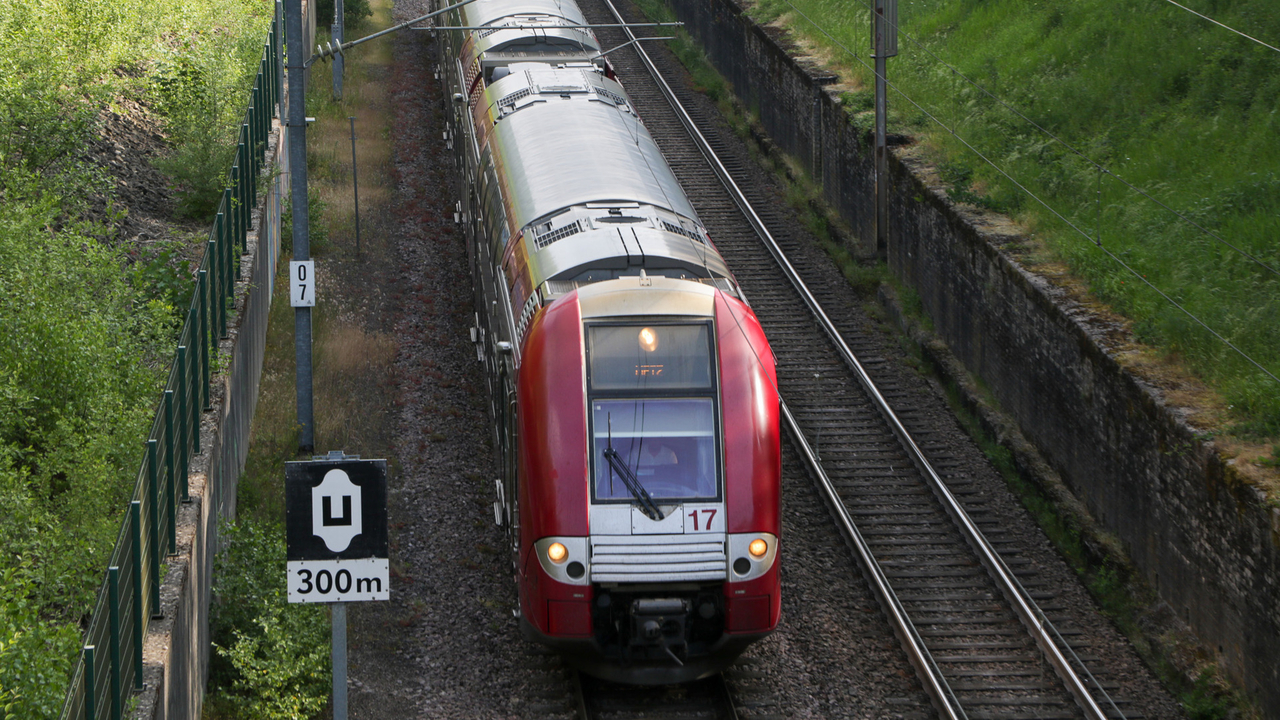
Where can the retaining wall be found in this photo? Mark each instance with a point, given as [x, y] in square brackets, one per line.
[1206, 541]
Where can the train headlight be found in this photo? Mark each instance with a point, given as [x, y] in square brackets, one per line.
[557, 552]
[564, 558]
[751, 555]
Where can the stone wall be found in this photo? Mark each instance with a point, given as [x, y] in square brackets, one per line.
[1207, 542]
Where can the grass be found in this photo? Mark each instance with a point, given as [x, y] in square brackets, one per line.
[1159, 98]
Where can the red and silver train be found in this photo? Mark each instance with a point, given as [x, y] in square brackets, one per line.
[633, 390]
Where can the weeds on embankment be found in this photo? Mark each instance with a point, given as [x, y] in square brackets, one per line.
[1147, 96]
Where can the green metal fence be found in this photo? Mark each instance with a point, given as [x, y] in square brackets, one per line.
[111, 664]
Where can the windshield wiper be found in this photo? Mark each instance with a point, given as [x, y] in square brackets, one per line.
[647, 505]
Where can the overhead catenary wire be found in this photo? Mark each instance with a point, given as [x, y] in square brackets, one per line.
[1224, 26]
[1142, 278]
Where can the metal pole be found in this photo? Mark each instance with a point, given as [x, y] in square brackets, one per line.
[339, 657]
[297, 124]
[882, 150]
[337, 32]
[355, 182]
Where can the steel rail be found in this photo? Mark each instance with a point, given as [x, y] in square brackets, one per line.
[1030, 614]
[944, 699]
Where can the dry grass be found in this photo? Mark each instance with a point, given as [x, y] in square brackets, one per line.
[352, 355]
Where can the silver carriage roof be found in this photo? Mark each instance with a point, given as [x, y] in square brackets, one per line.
[567, 136]
[496, 14]
[586, 181]
[486, 12]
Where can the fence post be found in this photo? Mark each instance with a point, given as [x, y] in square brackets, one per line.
[278, 59]
[219, 297]
[135, 519]
[194, 374]
[169, 472]
[153, 512]
[90, 702]
[113, 586]
[264, 118]
[205, 336]
[242, 210]
[251, 152]
[184, 415]
[237, 226]
[214, 256]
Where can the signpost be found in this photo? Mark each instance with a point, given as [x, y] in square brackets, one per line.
[884, 30]
[336, 532]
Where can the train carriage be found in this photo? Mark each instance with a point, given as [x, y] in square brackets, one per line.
[632, 389]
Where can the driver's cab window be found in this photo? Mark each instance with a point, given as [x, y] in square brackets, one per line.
[653, 410]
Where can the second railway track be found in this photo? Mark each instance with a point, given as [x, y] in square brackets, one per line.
[987, 666]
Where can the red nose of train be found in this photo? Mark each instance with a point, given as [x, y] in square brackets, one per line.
[649, 471]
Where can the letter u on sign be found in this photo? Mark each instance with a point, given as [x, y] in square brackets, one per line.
[335, 510]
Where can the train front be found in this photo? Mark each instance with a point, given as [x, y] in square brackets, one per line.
[649, 465]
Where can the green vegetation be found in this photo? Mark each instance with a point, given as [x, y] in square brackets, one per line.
[1172, 104]
[270, 658]
[354, 13]
[706, 79]
[88, 322]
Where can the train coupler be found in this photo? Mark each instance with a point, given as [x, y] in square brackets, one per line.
[660, 623]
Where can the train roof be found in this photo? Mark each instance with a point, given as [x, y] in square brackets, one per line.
[568, 139]
[487, 12]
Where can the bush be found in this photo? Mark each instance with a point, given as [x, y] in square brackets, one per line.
[33, 651]
[199, 86]
[271, 658]
[86, 344]
[81, 359]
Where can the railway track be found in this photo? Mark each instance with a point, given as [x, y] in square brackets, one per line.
[951, 579]
[707, 699]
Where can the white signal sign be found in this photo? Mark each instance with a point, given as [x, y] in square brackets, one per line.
[302, 283]
[336, 530]
[326, 581]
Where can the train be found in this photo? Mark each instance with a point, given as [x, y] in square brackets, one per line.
[632, 389]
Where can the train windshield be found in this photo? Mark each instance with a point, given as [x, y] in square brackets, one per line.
[653, 404]
[668, 443]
